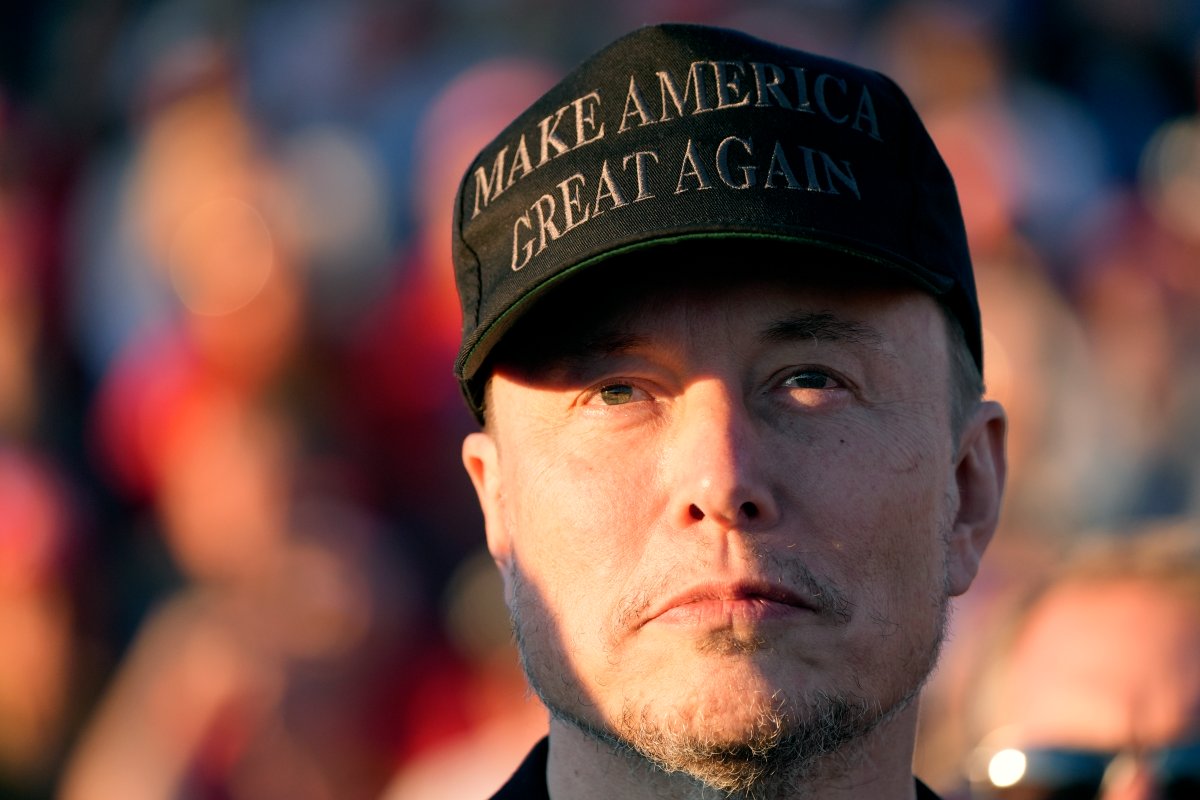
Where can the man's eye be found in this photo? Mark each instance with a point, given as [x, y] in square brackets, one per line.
[810, 379]
[615, 394]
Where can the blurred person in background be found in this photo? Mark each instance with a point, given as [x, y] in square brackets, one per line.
[257, 678]
[259, 672]
[1138, 294]
[181, 232]
[43, 654]
[1090, 689]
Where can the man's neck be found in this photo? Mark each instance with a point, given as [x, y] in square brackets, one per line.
[878, 765]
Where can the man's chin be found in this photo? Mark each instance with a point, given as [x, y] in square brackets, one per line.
[742, 744]
[741, 750]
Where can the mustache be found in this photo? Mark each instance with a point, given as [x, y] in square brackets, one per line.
[790, 574]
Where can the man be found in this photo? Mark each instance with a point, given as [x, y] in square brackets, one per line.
[721, 330]
[1093, 690]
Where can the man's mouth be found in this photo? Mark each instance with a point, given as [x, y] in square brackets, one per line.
[714, 604]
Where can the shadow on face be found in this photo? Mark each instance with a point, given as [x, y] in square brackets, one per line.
[566, 321]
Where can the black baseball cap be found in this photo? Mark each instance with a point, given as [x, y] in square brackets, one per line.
[685, 133]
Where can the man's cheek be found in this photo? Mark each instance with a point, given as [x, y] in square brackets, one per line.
[591, 488]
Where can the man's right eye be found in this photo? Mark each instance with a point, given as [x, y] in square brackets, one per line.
[615, 394]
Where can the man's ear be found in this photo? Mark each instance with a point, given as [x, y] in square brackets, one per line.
[481, 459]
[980, 469]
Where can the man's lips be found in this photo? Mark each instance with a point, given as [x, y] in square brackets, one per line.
[748, 601]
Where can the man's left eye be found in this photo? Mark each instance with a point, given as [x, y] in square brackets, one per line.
[810, 379]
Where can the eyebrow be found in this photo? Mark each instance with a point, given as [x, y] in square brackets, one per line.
[573, 351]
[605, 343]
[821, 326]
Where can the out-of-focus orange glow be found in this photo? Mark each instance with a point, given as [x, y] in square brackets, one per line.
[35, 615]
[221, 257]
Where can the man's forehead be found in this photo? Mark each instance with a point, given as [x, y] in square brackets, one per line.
[619, 309]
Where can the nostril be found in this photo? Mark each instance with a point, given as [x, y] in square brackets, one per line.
[695, 511]
[750, 510]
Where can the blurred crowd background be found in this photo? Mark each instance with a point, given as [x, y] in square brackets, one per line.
[239, 557]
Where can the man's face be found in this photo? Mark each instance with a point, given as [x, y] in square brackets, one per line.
[1106, 666]
[723, 509]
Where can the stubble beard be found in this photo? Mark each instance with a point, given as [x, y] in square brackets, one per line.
[777, 756]
[789, 744]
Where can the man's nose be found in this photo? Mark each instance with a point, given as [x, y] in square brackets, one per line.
[718, 471]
